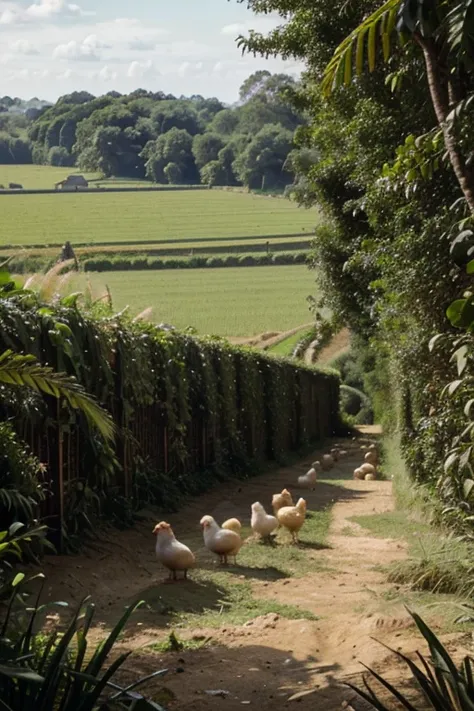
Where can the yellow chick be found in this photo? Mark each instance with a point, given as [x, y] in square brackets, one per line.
[232, 524]
[280, 500]
[170, 552]
[219, 540]
[292, 518]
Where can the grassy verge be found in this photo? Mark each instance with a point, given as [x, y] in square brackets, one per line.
[439, 569]
[287, 345]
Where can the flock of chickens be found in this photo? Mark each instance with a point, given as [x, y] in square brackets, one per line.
[225, 541]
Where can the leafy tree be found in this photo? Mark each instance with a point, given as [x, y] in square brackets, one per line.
[206, 147]
[214, 173]
[261, 165]
[67, 134]
[225, 122]
[175, 146]
[444, 31]
[173, 173]
[59, 156]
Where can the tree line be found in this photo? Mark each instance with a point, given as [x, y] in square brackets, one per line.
[186, 140]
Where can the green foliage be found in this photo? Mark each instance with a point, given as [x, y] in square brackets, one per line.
[443, 686]
[148, 369]
[143, 133]
[23, 371]
[386, 159]
[21, 490]
[42, 669]
[126, 263]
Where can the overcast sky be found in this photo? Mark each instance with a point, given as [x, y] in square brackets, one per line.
[52, 47]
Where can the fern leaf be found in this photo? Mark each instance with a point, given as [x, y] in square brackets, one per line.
[24, 371]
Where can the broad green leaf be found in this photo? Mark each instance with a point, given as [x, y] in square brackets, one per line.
[348, 66]
[434, 340]
[468, 486]
[468, 407]
[371, 46]
[450, 461]
[360, 53]
[460, 356]
[19, 577]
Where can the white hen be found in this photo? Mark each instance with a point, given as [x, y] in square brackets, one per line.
[220, 541]
[308, 480]
[170, 552]
[262, 523]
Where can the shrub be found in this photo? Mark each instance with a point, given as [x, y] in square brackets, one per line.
[197, 262]
[246, 260]
[214, 262]
[231, 261]
[443, 686]
[45, 670]
[155, 263]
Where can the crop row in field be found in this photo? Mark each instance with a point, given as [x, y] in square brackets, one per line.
[226, 302]
[176, 247]
[88, 218]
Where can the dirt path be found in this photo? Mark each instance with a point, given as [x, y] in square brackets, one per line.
[267, 660]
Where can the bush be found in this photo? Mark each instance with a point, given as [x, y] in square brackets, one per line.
[42, 669]
[231, 261]
[156, 263]
[214, 262]
[246, 260]
[443, 685]
[60, 157]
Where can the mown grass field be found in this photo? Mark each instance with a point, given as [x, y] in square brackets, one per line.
[147, 216]
[37, 177]
[226, 302]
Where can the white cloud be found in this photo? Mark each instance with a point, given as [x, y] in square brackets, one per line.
[138, 70]
[87, 50]
[23, 46]
[107, 74]
[141, 45]
[234, 30]
[40, 11]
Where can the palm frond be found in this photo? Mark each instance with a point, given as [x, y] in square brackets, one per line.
[460, 30]
[380, 23]
[24, 371]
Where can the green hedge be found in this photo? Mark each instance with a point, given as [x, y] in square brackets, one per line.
[189, 410]
[125, 263]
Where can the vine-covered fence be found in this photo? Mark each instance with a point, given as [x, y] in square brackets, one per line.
[188, 411]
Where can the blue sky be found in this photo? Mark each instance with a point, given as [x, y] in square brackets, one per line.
[51, 47]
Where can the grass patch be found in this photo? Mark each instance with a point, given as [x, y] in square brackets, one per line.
[215, 597]
[148, 216]
[289, 560]
[437, 561]
[394, 524]
[238, 605]
[227, 302]
[287, 346]
[173, 643]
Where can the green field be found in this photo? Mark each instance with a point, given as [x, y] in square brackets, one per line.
[37, 177]
[147, 216]
[225, 302]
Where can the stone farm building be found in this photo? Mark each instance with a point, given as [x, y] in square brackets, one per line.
[72, 182]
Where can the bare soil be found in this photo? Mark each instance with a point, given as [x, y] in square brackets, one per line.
[335, 347]
[267, 661]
